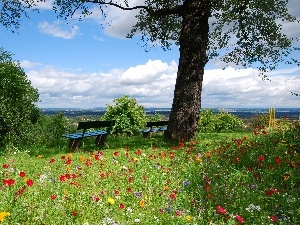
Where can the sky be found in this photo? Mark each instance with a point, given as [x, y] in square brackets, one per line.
[87, 64]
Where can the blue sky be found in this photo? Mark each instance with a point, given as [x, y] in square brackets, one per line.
[85, 64]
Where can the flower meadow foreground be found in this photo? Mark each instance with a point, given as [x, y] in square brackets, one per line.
[251, 180]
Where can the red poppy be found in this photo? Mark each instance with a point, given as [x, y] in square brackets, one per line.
[74, 213]
[52, 160]
[172, 195]
[5, 166]
[116, 154]
[121, 206]
[261, 158]
[278, 161]
[273, 218]
[9, 182]
[22, 174]
[29, 183]
[53, 197]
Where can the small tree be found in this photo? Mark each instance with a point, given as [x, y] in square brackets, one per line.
[129, 116]
[17, 98]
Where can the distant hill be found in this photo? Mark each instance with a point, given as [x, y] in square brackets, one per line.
[240, 112]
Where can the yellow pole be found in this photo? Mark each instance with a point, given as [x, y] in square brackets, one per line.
[272, 117]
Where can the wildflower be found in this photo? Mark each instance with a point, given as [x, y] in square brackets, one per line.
[221, 210]
[186, 183]
[178, 213]
[3, 215]
[9, 182]
[29, 182]
[74, 213]
[188, 218]
[208, 154]
[172, 195]
[240, 219]
[121, 206]
[39, 156]
[52, 160]
[137, 220]
[111, 201]
[286, 176]
[22, 174]
[260, 158]
[273, 218]
[53, 197]
[198, 159]
[142, 203]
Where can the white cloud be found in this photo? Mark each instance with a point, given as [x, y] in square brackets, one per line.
[58, 29]
[45, 4]
[152, 84]
[27, 64]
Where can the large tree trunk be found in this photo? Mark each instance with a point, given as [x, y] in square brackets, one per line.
[183, 121]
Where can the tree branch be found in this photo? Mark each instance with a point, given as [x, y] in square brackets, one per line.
[119, 6]
[158, 12]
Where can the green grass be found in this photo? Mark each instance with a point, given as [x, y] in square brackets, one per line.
[222, 178]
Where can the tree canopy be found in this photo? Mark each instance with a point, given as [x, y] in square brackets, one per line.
[17, 98]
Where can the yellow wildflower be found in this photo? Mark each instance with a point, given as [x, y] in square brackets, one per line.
[111, 201]
[65, 192]
[81, 158]
[142, 203]
[166, 188]
[188, 218]
[69, 155]
[2, 215]
[39, 156]
[198, 159]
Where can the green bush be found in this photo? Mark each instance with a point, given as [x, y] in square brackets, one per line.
[129, 116]
[257, 121]
[48, 131]
[17, 98]
[219, 122]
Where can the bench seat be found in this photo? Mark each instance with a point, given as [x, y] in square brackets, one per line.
[153, 127]
[86, 134]
[75, 138]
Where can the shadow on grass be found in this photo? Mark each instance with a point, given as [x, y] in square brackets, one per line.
[113, 143]
[117, 143]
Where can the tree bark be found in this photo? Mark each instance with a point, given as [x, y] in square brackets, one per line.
[184, 116]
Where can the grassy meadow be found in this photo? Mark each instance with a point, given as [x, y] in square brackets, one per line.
[222, 178]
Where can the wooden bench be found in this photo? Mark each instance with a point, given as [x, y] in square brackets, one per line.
[75, 139]
[153, 127]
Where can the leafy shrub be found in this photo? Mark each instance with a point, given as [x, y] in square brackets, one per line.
[219, 122]
[48, 131]
[17, 98]
[129, 116]
[261, 120]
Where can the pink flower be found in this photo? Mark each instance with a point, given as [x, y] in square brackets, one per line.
[240, 219]
[221, 210]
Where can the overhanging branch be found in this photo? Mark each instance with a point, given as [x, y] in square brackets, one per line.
[155, 12]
